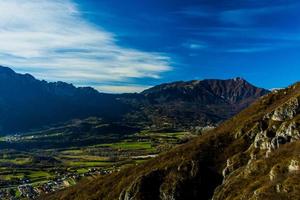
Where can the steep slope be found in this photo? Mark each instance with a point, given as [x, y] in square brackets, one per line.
[208, 91]
[195, 103]
[254, 155]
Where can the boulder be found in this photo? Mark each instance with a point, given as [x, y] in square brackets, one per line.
[290, 130]
[286, 111]
[294, 166]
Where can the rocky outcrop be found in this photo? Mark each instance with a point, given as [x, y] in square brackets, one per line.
[277, 171]
[294, 165]
[149, 182]
[286, 111]
[176, 184]
[289, 130]
[276, 128]
[280, 127]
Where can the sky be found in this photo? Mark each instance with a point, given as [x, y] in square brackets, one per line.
[127, 46]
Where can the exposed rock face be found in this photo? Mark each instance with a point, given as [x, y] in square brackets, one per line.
[286, 111]
[149, 182]
[283, 130]
[180, 184]
[289, 130]
[294, 165]
[276, 129]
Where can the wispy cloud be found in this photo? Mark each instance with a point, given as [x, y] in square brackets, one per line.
[128, 88]
[197, 11]
[249, 50]
[194, 45]
[51, 39]
[251, 16]
[245, 27]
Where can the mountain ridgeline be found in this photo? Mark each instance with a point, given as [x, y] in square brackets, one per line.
[196, 103]
[27, 103]
[252, 156]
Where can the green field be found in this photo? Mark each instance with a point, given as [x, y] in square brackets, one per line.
[130, 145]
[25, 162]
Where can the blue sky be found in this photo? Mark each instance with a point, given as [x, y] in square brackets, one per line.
[127, 46]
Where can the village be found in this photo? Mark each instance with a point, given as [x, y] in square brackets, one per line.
[28, 190]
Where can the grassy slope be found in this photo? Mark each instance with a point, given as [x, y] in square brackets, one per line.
[190, 171]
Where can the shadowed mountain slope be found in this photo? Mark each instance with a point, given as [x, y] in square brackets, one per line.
[27, 103]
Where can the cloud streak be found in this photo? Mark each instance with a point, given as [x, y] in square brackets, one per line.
[51, 40]
[251, 16]
[122, 88]
[245, 27]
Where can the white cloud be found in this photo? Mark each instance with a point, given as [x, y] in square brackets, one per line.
[122, 88]
[51, 40]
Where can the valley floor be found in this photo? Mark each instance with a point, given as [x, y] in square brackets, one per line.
[29, 170]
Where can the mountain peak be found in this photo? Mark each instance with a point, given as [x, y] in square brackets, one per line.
[239, 79]
[206, 91]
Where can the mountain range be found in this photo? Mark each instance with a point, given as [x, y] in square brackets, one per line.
[29, 104]
[195, 103]
[252, 156]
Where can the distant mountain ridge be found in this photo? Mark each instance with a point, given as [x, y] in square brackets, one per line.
[231, 91]
[27, 103]
[196, 103]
